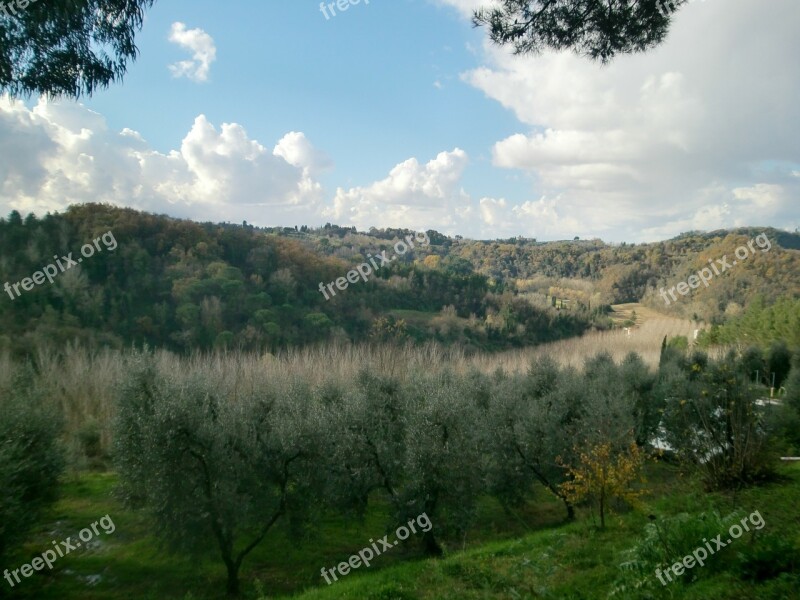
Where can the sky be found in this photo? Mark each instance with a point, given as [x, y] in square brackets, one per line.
[399, 113]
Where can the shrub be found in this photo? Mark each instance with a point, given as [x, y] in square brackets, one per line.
[665, 542]
[679, 342]
[767, 558]
[90, 439]
[31, 459]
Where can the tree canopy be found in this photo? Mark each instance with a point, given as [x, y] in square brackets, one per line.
[599, 29]
[67, 47]
[73, 47]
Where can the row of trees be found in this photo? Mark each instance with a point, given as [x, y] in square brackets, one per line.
[219, 454]
[187, 286]
[219, 449]
[31, 457]
[594, 273]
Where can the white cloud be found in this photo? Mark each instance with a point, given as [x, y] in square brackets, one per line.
[413, 195]
[467, 7]
[203, 50]
[65, 153]
[657, 143]
[295, 148]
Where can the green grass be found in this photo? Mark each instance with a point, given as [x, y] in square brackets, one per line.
[529, 553]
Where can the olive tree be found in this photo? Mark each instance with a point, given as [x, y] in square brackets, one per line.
[606, 459]
[216, 461]
[533, 422]
[786, 417]
[417, 442]
[610, 403]
[367, 442]
[31, 458]
[599, 29]
[638, 384]
[713, 421]
[443, 462]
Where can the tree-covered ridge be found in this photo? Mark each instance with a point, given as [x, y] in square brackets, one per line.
[186, 286]
[595, 273]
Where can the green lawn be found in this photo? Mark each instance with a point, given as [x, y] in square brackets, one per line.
[529, 553]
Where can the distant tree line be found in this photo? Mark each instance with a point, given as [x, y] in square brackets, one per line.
[188, 286]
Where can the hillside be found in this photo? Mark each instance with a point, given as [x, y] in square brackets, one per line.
[186, 286]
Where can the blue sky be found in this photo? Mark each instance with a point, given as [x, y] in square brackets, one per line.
[340, 81]
[399, 113]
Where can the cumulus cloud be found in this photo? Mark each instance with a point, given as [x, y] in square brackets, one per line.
[202, 47]
[65, 153]
[295, 149]
[701, 132]
[413, 195]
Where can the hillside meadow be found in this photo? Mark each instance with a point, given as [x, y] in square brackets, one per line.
[526, 554]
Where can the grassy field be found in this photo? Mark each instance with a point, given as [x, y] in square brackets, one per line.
[537, 556]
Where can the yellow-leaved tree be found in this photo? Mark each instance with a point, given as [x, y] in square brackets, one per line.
[602, 475]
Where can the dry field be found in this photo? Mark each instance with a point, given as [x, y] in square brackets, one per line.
[83, 383]
[644, 338]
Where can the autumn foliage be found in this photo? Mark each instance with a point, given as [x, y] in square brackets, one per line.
[603, 475]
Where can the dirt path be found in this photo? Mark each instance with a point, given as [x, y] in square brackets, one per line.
[637, 312]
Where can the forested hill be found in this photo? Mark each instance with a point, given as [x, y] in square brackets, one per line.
[184, 285]
[598, 273]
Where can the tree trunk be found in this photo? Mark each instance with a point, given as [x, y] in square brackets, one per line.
[233, 578]
[432, 547]
[570, 510]
[602, 508]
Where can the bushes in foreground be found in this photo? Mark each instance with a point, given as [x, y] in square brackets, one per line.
[31, 459]
[220, 450]
[216, 463]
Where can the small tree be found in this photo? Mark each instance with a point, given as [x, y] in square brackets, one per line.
[213, 459]
[443, 457]
[531, 421]
[603, 475]
[712, 421]
[637, 385]
[31, 460]
[367, 442]
[417, 441]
